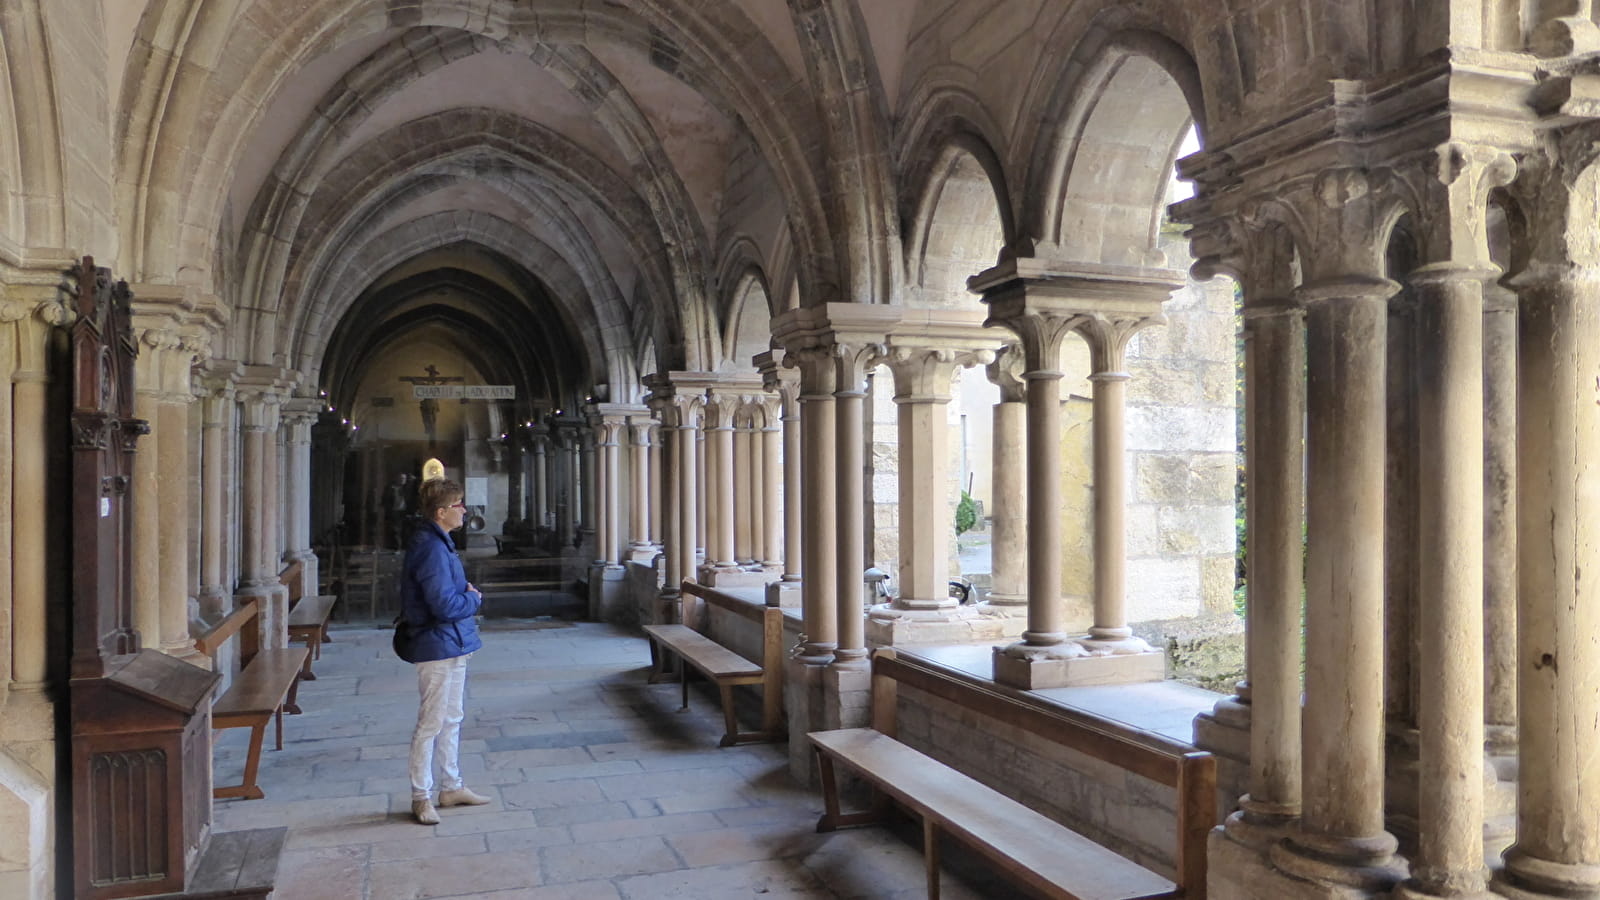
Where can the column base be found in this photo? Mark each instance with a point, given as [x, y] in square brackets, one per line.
[1225, 733]
[1257, 826]
[1528, 878]
[889, 625]
[1365, 864]
[1010, 610]
[185, 651]
[785, 594]
[1239, 872]
[1068, 664]
[642, 553]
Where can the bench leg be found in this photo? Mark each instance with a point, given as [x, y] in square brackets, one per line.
[930, 854]
[290, 705]
[252, 763]
[729, 721]
[832, 818]
[658, 664]
[278, 717]
[683, 681]
[305, 668]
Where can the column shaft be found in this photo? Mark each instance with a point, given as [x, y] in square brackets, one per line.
[793, 499]
[924, 503]
[1450, 851]
[1275, 428]
[1557, 850]
[641, 487]
[772, 522]
[742, 499]
[655, 523]
[174, 509]
[1009, 542]
[819, 591]
[1499, 521]
[613, 495]
[540, 513]
[722, 550]
[850, 509]
[29, 584]
[1343, 720]
[1046, 624]
[145, 495]
[1110, 504]
[252, 447]
[213, 506]
[688, 492]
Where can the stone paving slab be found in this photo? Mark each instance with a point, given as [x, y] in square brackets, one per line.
[601, 788]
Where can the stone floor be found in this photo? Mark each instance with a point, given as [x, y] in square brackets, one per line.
[600, 788]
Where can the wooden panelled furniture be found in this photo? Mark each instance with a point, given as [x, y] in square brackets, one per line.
[1035, 850]
[721, 665]
[140, 810]
[264, 689]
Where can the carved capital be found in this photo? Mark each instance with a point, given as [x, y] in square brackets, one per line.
[1040, 335]
[1005, 373]
[1108, 336]
[924, 373]
[853, 360]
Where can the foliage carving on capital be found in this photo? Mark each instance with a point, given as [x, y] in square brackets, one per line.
[1040, 335]
[1449, 190]
[1005, 373]
[924, 373]
[854, 359]
[818, 372]
[1107, 337]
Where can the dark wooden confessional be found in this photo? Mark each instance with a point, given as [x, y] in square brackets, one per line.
[140, 719]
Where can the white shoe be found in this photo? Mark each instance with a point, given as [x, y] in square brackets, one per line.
[423, 812]
[462, 796]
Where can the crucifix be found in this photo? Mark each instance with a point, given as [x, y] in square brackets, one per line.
[430, 406]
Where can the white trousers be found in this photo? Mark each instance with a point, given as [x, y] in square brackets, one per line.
[443, 686]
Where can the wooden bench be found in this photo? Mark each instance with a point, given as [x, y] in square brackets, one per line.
[262, 691]
[308, 621]
[1035, 850]
[723, 666]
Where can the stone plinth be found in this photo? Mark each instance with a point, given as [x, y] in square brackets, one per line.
[785, 594]
[888, 626]
[711, 576]
[1058, 666]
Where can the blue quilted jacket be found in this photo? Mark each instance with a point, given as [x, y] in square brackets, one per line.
[434, 598]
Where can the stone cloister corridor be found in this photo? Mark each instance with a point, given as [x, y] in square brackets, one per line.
[1257, 339]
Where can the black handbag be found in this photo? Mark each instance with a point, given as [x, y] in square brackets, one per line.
[404, 636]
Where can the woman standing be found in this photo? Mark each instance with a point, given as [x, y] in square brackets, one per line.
[439, 603]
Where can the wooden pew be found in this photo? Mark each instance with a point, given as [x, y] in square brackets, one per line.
[308, 616]
[1035, 850]
[262, 691]
[723, 666]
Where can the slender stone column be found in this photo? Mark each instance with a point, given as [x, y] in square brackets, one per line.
[588, 489]
[1107, 337]
[1275, 345]
[1341, 836]
[258, 421]
[11, 336]
[1450, 846]
[272, 495]
[642, 548]
[29, 436]
[704, 505]
[1008, 594]
[218, 410]
[792, 485]
[756, 462]
[1557, 849]
[175, 506]
[853, 359]
[819, 591]
[610, 471]
[1499, 519]
[771, 481]
[157, 342]
[720, 469]
[688, 412]
[744, 488]
[658, 487]
[540, 513]
[1040, 334]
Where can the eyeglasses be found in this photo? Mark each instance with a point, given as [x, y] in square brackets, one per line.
[457, 506]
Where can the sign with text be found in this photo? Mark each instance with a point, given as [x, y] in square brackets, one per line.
[464, 391]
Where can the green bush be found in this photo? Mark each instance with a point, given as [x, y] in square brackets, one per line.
[966, 514]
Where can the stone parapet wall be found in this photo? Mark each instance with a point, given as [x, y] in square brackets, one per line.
[1125, 812]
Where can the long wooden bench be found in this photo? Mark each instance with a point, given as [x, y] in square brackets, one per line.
[1035, 850]
[262, 691]
[308, 615]
[723, 666]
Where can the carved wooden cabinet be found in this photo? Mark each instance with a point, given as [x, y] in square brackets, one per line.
[141, 753]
